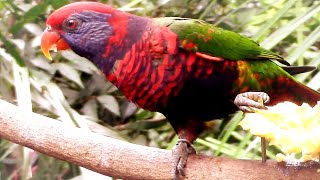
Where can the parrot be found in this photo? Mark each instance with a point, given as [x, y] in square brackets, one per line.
[187, 69]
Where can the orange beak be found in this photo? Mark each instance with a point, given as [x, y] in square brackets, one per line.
[52, 41]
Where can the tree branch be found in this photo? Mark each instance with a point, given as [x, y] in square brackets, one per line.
[129, 161]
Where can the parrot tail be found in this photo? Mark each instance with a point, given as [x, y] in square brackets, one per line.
[299, 93]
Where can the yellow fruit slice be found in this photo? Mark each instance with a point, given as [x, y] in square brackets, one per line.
[295, 129]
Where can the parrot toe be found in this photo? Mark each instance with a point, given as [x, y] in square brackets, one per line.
[247, 101]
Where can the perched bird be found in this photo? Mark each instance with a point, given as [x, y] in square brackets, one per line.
[187, 69]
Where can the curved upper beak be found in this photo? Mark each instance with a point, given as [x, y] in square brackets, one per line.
[52, 41]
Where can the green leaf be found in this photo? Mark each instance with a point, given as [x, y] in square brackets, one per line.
[208, 8]
[80, 63]
[127, 109]
[309, 41]
[9, 4]
[314, 82]
[110, 103]
[272, 21]
[224, 18]
[90, 109]
[57, 4]
[315, 62]
[29, 16]
[286, 30]
[232, 125]
[11, 48]
[70, 73]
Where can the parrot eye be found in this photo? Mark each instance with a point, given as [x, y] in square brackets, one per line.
[71, 24]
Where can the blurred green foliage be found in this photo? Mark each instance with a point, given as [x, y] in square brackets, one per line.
[74, 91]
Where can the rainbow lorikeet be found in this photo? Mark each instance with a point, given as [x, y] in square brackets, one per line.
[187, 69]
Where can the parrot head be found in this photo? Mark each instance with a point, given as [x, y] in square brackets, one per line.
[84, 27]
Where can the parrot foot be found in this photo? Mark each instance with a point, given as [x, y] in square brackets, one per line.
[180, 155]
[247, 101]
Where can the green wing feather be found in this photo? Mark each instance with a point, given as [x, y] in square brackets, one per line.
[199, 36]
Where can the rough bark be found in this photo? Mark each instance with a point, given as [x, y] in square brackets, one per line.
[121, 159]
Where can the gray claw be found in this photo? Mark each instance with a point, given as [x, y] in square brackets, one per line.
[247, 101]
[180, 155]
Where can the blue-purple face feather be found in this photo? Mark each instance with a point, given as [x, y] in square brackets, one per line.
[90, 37]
